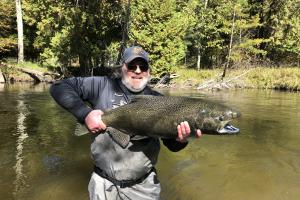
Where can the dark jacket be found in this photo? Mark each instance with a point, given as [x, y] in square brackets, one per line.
[81, 95]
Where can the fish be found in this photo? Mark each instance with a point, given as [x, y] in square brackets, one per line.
[158, 116]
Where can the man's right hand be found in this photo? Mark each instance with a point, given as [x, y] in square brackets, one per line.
[94, 122]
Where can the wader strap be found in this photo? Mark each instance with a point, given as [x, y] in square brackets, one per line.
[124, 183]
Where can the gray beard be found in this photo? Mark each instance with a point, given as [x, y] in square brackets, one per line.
[126, 82]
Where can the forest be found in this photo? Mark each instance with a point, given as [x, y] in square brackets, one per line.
[89, 35]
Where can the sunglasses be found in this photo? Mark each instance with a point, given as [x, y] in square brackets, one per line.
[143, 68]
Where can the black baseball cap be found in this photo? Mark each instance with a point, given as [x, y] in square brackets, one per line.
[134, 52]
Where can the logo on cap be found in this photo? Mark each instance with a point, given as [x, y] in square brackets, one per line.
[138, 51]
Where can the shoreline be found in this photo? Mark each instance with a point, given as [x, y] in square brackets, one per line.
[282, 79]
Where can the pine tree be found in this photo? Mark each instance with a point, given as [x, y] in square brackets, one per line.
[160, 29]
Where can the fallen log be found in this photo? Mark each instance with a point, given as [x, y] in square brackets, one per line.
[39, 76]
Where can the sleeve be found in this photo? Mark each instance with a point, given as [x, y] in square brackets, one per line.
[174, 145]
[72, 94]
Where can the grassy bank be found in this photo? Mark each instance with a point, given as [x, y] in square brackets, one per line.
[24, 72]
[11, 62]
[259, 77]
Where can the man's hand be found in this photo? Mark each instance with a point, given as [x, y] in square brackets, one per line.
[183, 130]
[94, 122]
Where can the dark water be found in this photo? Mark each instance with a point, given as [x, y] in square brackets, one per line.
[41, 159]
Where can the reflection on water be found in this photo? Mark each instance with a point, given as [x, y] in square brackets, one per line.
[42, 159]
[20, 181]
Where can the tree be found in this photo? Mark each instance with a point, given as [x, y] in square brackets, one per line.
[8, 37]
[208, 35]
[284, 46]
[245, 48]
[20, 31]
[160, 29]
[74, 33]
[280, 25]
[199, 35]
[87, 34]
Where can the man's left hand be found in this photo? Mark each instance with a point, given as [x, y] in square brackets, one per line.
[184, 131]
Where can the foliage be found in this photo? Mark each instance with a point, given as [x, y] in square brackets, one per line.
[70, 33]
[280, 25]
[8, 33]
[204, 33]
[87, 34]
[160, 28]
[285, 40]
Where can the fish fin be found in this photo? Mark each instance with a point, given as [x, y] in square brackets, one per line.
[80, 129]
[119, 137]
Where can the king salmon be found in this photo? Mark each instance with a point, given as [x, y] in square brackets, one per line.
[158, 116]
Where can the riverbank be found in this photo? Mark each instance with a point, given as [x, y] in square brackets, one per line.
[283, 78]
[11, 71]
[258, 77]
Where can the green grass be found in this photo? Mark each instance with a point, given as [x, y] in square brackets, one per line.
[259, 77]
[275, 78]
[195, 76]
[26, 64]
[287, 78]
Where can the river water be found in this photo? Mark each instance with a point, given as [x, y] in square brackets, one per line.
[40, 158]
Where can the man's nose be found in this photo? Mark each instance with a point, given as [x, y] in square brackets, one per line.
[138, 70]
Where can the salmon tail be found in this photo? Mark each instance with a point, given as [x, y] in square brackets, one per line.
[80, 129]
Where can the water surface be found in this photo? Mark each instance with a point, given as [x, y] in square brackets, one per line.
[42, 159]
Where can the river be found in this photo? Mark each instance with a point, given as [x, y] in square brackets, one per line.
[40, 158]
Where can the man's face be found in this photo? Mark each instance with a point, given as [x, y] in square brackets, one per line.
[135, 75]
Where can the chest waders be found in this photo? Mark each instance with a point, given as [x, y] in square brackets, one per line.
[121, 98]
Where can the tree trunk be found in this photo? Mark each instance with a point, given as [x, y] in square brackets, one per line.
[2, 80]
[205, 4]
[20, 31]
[230, 45]
[84, 65]
[199, 58]
[199, 45]
[125, 32]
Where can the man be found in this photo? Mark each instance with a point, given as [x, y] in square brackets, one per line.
[120, 173]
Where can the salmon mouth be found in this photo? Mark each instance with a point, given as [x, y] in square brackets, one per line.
[228, 129]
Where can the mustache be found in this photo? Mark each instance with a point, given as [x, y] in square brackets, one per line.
[126, 80]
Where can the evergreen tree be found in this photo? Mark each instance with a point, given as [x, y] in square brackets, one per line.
[87, 34]
[160, 29]
[74, 32]
[280, 25]
[284, 47]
